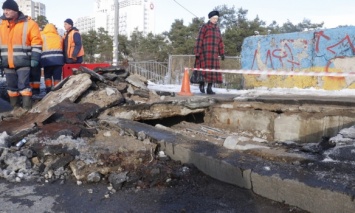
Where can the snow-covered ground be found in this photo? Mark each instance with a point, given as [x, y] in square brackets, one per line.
[250, 92]
[258, 91]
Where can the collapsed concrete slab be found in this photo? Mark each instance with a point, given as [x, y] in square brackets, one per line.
[315, 189]
[67, 138]
[81, 133]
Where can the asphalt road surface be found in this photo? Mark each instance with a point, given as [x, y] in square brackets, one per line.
[202, 195]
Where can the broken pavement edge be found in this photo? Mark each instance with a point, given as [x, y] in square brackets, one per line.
[275, 181]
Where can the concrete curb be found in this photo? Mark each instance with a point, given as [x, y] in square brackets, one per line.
[276, 181]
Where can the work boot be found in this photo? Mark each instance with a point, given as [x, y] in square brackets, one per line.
[27, 102]
[14, 101]
[202, 87]
[35, 91]
[48, 89]
[209, 89]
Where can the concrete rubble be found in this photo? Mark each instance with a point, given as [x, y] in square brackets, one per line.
[105, 125]
[66, 138]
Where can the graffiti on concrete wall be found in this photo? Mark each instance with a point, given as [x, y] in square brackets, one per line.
[327, 50]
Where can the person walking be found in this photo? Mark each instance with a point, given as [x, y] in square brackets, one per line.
[209, 45]
[52, 58]
[21, 46]
[73, 48]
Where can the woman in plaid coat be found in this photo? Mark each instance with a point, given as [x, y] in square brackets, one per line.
[209, 45]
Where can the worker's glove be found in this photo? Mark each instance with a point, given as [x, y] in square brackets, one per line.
[34, 63]
[222, 57]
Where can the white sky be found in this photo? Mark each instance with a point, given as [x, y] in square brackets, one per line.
[333, 13]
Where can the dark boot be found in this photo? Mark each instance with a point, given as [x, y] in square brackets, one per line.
[14, 101]
[35, 91]
[48, 89]
[209, 89]
[27, 102]
[202, 87]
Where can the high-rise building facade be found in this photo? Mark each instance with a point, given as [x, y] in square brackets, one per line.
[85, 24]
[132, 14]
[31, 8]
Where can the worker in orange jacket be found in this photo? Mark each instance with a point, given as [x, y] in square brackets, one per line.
[73, 47]
[21, 46]
[52, 58]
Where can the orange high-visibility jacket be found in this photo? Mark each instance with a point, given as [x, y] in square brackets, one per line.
[71, 45]
[20, 42]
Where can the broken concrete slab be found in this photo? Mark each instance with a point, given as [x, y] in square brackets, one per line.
[92, 74]
[149, 111]
[73, 113]
[313, 189]
[57, 129]
[26, 122]
[104, 98]
[138, 81]
[72, 89]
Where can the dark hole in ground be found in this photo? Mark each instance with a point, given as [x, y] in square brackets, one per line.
[277, 111]
[171, 121]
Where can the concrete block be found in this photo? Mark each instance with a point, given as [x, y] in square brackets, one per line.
[247, 120]
[308, 128]
[287, 127]
[216, 168]
[333, 124]
[296, 193]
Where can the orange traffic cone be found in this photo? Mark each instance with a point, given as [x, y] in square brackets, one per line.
[185, 87]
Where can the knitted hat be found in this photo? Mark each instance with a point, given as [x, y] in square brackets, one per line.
[10, 4]
[69, 21]
[213, 13]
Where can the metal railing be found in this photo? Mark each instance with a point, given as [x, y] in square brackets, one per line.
[152, 70]
[173, 72]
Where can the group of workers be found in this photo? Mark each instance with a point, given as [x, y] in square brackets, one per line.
[25, 50]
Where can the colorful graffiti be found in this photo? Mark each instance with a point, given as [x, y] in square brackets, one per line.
[330, 50]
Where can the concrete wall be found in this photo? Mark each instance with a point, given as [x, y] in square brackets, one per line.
[327, 50]
[298, 123]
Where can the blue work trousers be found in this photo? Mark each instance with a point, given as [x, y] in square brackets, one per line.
[18, 79]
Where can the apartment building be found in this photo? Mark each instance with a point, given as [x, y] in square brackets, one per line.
[132, 14]
[32, 8]
[84, 24]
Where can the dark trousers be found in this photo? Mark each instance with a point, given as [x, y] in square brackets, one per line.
[79, 60]
[18, 79]
[52, 76]
[35, 79]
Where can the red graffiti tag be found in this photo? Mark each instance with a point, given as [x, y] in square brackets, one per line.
[318, 36]
[346, 38]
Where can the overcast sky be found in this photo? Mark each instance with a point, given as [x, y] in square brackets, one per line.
[333, 13]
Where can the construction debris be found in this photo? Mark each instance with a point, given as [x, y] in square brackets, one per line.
[66, 137]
